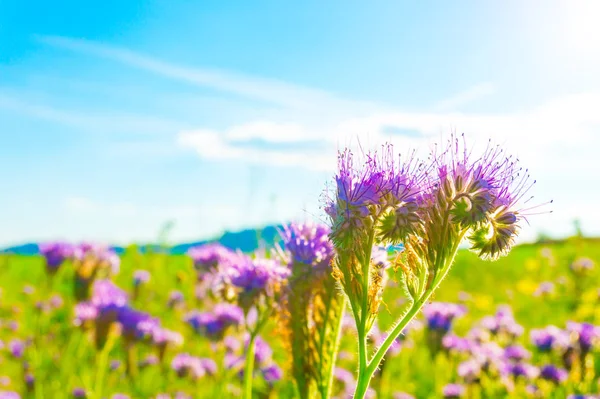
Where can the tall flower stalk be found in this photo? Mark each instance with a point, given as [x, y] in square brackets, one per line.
[255, 283]
[312, 309]
[430, 208]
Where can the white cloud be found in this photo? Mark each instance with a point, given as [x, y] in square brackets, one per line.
[557, 139]
[467, 96]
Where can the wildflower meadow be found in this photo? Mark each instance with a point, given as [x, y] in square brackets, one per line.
[410, 285]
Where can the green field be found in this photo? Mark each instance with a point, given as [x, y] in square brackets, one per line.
[61, 357]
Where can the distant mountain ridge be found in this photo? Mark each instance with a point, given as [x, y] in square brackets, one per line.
[246, 240]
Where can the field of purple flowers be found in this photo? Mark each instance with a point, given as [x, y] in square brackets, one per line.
[152, 328]
[366, 306]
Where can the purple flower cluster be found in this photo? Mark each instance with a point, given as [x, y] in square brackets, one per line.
[251, 275]
[453, 391]
[185, 364]
[208, 257]
[550, 338]
[309, 244]
[554, 374]
[214, 324]
[55, 254]
[502, 323]
[106, 296]
[440, 315]
[582, 266]
[103, 257]
[587, 335]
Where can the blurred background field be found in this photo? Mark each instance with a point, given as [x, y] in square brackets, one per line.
[535, 280]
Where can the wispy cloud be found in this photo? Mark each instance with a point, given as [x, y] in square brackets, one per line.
[268, 90]
[315, 123]
[465, 97]
[107, 121]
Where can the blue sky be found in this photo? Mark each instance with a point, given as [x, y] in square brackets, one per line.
[116, 117]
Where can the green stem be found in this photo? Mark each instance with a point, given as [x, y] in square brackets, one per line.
[326, 389]
[249, 367]
[363, 381]
[102, 366]
[365, 376]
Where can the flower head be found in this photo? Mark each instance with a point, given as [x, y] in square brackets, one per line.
[524, 370]
[587, 335]
[215, 324]
[208, 257]
[136, 325]
[106, 295]
[308, 244]
[453, 391]
[550, 338]
[552, 373]
[516, 353]
[582, 266]
[141, 277]
[440, 315]
[185, 364]
[55, 254]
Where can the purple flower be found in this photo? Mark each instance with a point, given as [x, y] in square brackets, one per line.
[309, 244]
[175, 298]
[549, 338]
[114, 364]
[141, 277]
[346, 378]
[516, 353]
[552, 373]
[440, 315]
[162, 336]
[9, 395]
[84, 312]
[524, 370]
[582, 266]
[185, 364]
[149, 360]
[55, 254]
[102, 256]
[256, 274]
[545, 288]
[453, 391]
[79, 393]
[486, 194]
[262, 350]
[452, 342]
[209, 366]
[214, 324]
[120, 396]
[469, 370]
[402, 395]
[108, 296]
[488, 354]
[370, 187]
[587, 335]
[208, 257]
[56, 301]
[503, 322]
[272, 373]
[136, 325]
[16, 348]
